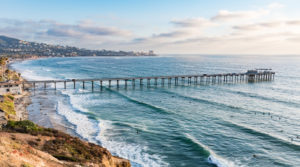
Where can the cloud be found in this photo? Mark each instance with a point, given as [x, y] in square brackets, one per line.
[82, 34]
[194, 22]
[82, 30]
[275, 5]
[52, 28]
[225, 15]
[269, 25]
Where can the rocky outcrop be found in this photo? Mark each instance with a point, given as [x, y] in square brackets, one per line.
[24, 143]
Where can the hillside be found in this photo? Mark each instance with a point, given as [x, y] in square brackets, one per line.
[25, 144]
[22, 49]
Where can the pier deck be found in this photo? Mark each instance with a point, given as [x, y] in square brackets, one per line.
[249, 76]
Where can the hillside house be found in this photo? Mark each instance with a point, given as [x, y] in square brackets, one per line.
[10, 87]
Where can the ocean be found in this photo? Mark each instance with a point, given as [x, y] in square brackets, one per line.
[205, 125]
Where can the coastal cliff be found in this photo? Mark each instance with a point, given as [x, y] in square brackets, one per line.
[23, 143]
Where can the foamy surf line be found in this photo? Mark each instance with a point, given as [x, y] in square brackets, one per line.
[88, 129]
[133, 152]
[213, 158]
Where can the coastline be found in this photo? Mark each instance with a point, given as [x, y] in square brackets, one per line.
[40, 108]
[41, 111]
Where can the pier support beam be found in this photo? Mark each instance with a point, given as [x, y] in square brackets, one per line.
[92, 86]
[141, 82]
[101, 85]
[83, 86]
[148, 82]
[65, 85]
[169, 81]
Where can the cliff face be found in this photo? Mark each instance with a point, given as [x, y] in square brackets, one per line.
[26, 144]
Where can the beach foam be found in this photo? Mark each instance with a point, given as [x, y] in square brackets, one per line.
[84, 126]
[135, 153]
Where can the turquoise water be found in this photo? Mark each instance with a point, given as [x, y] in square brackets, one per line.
[187, 125]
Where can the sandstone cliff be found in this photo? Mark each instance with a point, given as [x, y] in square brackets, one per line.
[25, 144]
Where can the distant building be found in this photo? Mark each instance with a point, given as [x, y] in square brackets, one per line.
[10, 87]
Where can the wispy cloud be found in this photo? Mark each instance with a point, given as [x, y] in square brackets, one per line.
[225, 15]
[275, 5]
[51, 31]
[193, 22]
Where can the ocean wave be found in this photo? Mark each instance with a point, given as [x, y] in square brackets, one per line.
[134, 152]
[270, 99]
[231, 107]
[212, 157]
[141, 103]
[278, 140]
[77, 101]
[84, 126]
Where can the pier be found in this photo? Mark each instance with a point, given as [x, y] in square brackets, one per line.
[251, 76]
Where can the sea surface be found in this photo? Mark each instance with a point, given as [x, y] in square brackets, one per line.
[197, 125]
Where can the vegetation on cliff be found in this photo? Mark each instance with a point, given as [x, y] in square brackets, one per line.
[7, 105]
[7, 74]
[65, 148]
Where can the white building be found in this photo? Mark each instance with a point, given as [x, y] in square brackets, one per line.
[10, 87]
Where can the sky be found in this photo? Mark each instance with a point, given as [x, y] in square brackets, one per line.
[265, 27]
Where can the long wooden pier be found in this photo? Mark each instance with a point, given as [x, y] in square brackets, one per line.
[249, 76]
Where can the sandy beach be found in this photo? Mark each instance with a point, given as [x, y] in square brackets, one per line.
[37, 106]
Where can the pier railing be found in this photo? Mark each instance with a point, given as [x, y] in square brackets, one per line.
[154, 80]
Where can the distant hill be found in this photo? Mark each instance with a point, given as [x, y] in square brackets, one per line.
[20, 49]
[6, 41]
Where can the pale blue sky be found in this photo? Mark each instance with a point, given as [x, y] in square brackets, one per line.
[118, 24]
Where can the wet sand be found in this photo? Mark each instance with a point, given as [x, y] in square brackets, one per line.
[42, 111]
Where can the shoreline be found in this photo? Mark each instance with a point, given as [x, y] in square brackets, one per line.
[42, 110]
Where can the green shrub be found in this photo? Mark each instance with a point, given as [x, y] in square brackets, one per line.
[26, 165]
[11, 97]
[66, 158]
[7, 105]
[22, 126]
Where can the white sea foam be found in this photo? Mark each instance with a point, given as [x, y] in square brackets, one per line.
[29, 74]
[77, 101]
[84, 126]
[135, 153]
